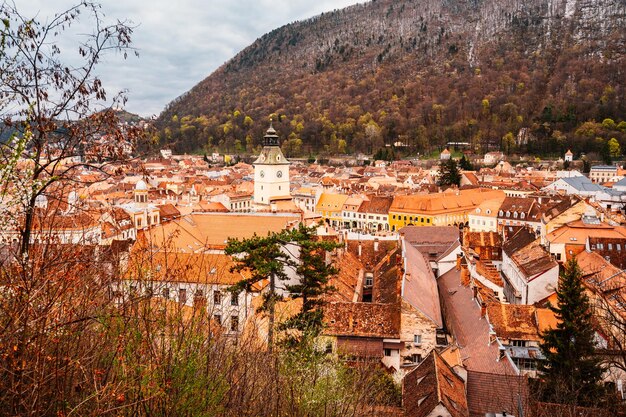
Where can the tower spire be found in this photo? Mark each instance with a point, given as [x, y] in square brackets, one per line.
[270, 138]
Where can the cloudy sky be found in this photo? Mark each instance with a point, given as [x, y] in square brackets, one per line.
[180, 42]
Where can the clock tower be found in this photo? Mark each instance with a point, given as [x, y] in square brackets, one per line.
[271, 170]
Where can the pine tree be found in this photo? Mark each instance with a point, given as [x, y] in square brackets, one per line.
[571, 372]
[271, 257]
[313, 275]
[465, 164]
[449, 173]
[263, 258]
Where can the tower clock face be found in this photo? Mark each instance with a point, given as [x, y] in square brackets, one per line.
[262, 174]
[279, 174]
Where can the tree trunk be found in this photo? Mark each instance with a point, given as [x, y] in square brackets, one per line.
[270, 329]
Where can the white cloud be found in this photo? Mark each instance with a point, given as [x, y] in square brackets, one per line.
[182, 42]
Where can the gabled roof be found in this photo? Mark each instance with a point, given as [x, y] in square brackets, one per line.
[482, 239]
[362, 320]
[578, 232]
[201, 268]
[582, 184]
[443, 203]
[600, 273]
[520, 239]
[430, 235]
[331, 202]
[514, 321]
[528, 254]
[431, 383]
[419, 287]
[379, 205]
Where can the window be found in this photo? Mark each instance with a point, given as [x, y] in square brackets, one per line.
[600, 246]
[387, 352]
[523, 215]
[369, 279]
[234, 299]
[166, 293]
[610, 246]
[417, 339]
[618, 246]
[501, 213]
[234, 323]
[217, 318]
[416, 358]
[217, 297]
[519, 343]
[421, 400]
[515, 214]
[182, 295]
[525, 364]
[427, 220]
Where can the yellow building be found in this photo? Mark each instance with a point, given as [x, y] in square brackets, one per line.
[330, 207]
[443, 209]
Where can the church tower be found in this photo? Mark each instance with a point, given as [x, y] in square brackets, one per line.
[271, 171]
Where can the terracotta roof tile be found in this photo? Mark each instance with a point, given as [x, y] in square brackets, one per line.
[362, 319]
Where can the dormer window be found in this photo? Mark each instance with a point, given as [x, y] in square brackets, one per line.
[523, 215]
[501, 213]
[488, 211]
[508, 214]
[515, 214]
[478, 211]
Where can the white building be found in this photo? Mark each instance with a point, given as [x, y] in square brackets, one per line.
[569, 156]
[271, 171]
[530, 273]
[485, 217]
[602, 173]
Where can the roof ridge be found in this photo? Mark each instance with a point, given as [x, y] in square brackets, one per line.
[437, 376]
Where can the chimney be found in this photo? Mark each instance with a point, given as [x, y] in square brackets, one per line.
[360, 249]
[474, 292]
[376, 245]
[483, 309]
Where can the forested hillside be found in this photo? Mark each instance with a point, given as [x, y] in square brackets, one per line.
[422, 73]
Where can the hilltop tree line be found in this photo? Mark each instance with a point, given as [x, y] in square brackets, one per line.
[379, 74]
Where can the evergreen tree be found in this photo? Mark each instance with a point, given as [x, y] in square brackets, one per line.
[571, 372]
[271, 257]
[465, 164]
[449, 173]
[263, 259]
[313, 274]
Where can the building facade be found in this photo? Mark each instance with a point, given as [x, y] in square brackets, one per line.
[271, 171]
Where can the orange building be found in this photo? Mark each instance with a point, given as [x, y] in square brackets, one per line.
[443, 209]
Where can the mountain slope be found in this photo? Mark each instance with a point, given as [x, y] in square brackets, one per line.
[419, 72]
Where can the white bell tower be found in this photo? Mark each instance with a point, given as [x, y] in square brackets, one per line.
[271, 171]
